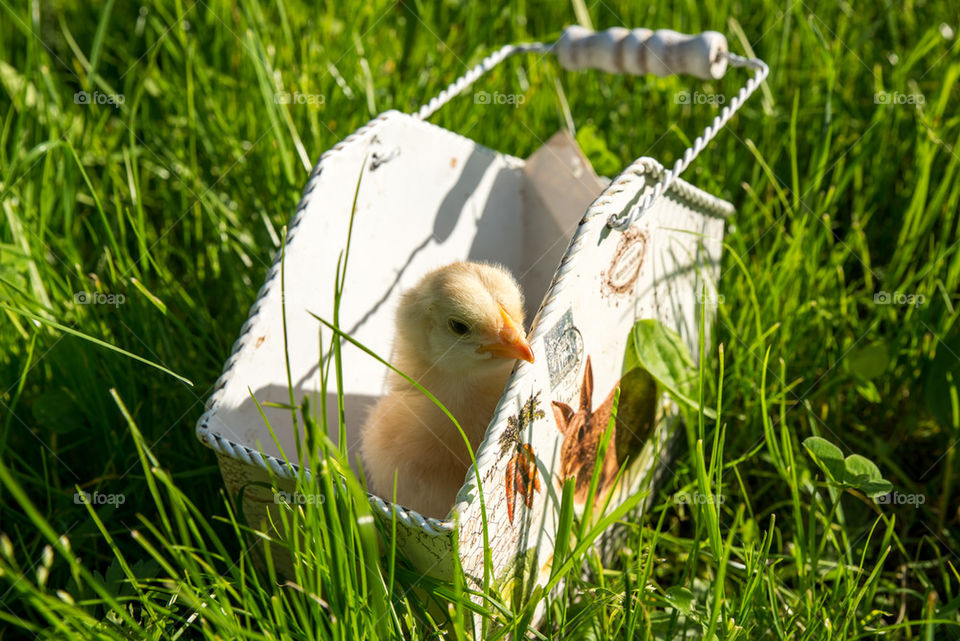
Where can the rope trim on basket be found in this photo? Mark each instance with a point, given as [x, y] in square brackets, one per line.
[678, 188]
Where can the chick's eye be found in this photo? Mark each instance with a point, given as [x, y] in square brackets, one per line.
[458, 327]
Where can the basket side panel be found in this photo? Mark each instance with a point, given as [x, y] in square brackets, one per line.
[607, 281]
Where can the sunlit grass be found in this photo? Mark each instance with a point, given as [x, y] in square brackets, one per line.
[163, 196]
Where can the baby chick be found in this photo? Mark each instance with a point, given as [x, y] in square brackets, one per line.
[458, 333]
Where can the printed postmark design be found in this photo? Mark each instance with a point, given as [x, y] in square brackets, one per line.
[621, 276]
[564, 347]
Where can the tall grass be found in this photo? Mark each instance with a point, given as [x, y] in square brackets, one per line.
[170, 187]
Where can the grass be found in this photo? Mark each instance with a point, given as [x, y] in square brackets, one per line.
[844, 170]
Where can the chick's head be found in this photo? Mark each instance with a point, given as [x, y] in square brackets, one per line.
[464, 315]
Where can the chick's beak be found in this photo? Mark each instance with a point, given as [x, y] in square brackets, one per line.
[510, 342]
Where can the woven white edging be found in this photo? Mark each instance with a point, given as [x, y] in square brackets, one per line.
[279, 467]
[633, 178]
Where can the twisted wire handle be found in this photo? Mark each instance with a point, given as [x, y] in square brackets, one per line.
[624, 220]
[460, 84]
[632, 51]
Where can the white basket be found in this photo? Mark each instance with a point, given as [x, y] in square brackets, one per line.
[429, 197]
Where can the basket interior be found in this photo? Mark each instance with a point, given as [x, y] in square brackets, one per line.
[426, 198]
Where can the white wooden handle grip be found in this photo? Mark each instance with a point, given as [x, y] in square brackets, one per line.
[639, 51]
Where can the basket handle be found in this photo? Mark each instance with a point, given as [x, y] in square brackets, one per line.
[637, 51]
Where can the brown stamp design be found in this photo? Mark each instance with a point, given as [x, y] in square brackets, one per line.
[584, 428]
[620, 277]
[521, 477]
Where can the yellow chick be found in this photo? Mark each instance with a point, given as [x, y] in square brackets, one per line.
[458, 333]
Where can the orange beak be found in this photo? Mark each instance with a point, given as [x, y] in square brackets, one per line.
[511, 342]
